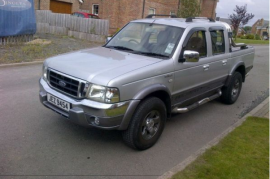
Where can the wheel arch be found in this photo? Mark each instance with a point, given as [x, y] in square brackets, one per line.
[158, 90]
[239, 67]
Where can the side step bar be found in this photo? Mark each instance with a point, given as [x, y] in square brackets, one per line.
[197, 104]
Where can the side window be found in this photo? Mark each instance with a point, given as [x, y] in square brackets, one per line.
[218, 43]
[93, 17]
[80, 15]
[197, 42]
[75, 14]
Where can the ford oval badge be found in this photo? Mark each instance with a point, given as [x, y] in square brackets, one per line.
[62, 83]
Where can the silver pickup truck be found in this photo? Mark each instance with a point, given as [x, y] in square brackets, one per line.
[150, 69]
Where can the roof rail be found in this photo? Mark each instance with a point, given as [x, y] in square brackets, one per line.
[189, 19]
[152, 15]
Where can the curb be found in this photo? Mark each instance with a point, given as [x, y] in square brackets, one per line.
[21, 64]
[181, 166]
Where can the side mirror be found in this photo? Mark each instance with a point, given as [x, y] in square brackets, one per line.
[191, 56]
[108, 39]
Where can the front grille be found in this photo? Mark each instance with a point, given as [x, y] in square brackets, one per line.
[66, 84]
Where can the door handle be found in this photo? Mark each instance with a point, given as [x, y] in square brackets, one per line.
[206, 67]
[224, 62]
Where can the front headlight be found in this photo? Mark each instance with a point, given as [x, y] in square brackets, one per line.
[112, 95]
[97, 93]
[44, 72]
[103, 94]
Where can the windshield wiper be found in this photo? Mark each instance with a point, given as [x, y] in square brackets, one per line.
[151, 54]
[120, 48]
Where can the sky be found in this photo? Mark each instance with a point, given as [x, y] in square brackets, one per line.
[260, 8]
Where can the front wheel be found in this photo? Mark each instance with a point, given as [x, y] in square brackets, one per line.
[146, 125]
[231, 93]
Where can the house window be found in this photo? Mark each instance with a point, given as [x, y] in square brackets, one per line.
[95, 9]
[152, 11]
[172, 13]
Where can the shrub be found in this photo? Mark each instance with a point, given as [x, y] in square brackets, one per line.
[243, 37]
[239, 36]
[250, 36]
[257, 37]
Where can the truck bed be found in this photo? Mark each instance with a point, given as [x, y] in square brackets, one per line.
[246, 55]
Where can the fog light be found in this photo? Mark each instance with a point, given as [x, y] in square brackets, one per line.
[96, 121]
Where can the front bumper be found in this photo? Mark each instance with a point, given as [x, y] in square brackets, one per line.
[85, 112]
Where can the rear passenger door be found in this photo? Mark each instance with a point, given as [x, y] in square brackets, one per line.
[195, 79]
[219, 54]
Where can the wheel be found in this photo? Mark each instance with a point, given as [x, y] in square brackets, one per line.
[231, 93]
[146, 125]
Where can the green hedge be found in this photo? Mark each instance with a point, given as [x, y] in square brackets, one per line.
[249, 36]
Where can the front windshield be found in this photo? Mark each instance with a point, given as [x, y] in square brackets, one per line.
[147, 39]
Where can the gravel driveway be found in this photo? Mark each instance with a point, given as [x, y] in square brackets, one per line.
[15, 53]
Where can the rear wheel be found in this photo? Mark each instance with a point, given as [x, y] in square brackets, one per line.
[146, 124]
[231, 93]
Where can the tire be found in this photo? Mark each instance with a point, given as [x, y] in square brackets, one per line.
[231, 93]
[146, 125]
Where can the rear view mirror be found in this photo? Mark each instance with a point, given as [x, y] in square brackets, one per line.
[191, 56]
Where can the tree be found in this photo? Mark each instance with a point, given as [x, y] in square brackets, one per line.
[247, 28]
[240, 17]
[189, 8]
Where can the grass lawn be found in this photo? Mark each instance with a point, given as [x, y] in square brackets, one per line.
[248, 41]
[243, 154]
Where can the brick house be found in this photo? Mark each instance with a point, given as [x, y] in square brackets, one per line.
[58, 6]
[261, 28]
[120, 12]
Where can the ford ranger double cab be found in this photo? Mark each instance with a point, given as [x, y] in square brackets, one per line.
[150, 69]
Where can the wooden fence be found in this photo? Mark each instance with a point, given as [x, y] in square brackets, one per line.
[94, 30]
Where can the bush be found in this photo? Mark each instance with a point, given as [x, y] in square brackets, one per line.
[250, 36]
[243, 37]
[257, 37]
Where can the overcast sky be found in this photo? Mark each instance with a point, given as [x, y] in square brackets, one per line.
[260, 8]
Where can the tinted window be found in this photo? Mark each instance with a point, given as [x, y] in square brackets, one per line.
[218, 44]
[197, 42]
[75, 14]
[80, 15]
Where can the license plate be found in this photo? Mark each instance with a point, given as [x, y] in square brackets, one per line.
[58, 102]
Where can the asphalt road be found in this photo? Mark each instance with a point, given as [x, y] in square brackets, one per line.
[36, 142]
